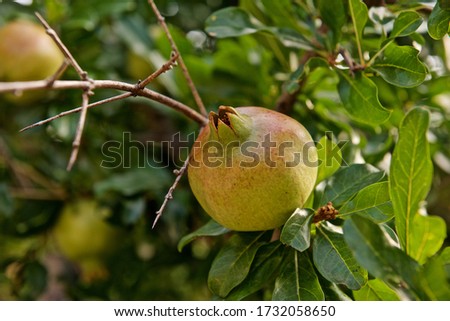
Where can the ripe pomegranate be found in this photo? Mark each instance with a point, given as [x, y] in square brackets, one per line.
[27, 53]
[251, 167]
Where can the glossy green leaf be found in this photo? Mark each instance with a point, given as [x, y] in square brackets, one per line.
[372, 201]
[212, 228]
[305, 69]
[230, 22]
[289, 37]
[263, 270]
[410, 173]
[375, 290]
[375, 252]
[232, 264]
[405, 24]
[333, 292]
[334, 260]
[438, 22]
[401, 66]
[297, 230]
[434, 280]
[360, 98]
[298, 280]
[348, 181]
[330, 158]
[359, 14]
[235, 22]
[334, 15]
[429, 234]
[281, 12]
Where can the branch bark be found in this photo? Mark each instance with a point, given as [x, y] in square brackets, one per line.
[133, 89]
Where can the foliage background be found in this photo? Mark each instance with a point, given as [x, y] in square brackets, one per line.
[269, 66]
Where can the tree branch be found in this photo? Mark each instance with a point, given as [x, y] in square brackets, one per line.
[169, 195]
[52, 33]
[133, 89]
[77, 141]
[184, 69]
[76, 110]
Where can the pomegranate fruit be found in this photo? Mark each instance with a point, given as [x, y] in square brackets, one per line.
[82, 234]
[27, 53]
[251, 167]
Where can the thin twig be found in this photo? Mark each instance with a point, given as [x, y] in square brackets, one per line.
[167, 66]
[77, 141]
[106, 84]
[52, 33]
[184, 69]
[58, 73]
[76, 110]
[169, 195]
[85, 96]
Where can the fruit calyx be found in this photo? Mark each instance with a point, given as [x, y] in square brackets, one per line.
[325, 213]
[228, 125]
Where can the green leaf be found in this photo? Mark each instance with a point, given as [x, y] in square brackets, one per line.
[33, 281]
[359, 14]
[434, 281]
[438, 22]
[445, 257]
[373, 202]
[348, 181]
[281, 12]
[263, 270]
[405, 24]
[297, 230]
[305, 69]
[333, 292]
[235, 22]
[230, 22]
[289, 37]
[429, 235]
[410, 173]
[360, 98]
[232, 264]
[298, 280]
[334, 260]
[400, 66]
[330, 158]
[212, 228]
[375, 252]
[334, 16]
[375, 290]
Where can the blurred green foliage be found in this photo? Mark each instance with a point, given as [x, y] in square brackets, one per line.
[264, 53]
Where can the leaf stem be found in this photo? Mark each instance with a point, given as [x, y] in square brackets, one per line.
[379, 52]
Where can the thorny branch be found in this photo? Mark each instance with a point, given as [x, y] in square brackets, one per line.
[179, 173]
[187, 76]
[88, 85]
[52, 33]
[86, 92]
[132, 90]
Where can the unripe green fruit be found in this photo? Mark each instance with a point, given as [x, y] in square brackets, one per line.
[27, 53]
[82, 234]
[251, 167]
